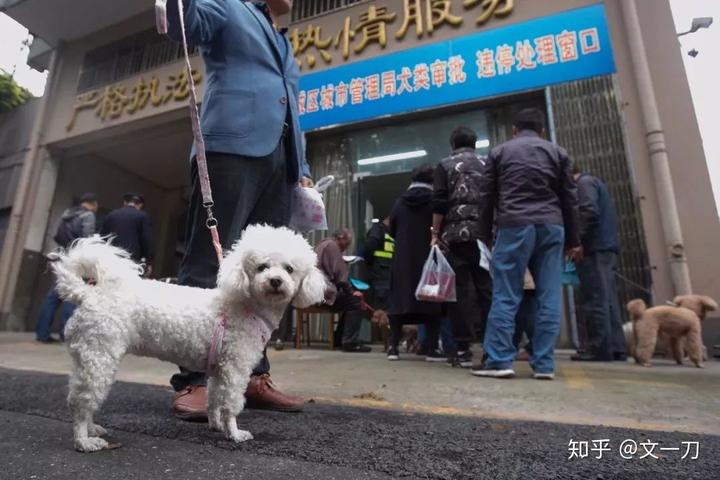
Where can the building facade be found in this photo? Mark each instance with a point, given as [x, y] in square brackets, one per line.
[384, 83]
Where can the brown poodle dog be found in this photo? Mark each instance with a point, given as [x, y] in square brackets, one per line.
[700, 304]
[678, 323]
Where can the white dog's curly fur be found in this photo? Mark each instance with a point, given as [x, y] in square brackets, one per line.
[118, 312]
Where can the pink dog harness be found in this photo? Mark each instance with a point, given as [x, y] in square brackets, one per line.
[263, 327]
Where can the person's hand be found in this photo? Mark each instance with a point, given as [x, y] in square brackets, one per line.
[575, 254]
[306, 182]
[358, 294]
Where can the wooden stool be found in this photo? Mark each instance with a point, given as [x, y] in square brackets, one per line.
[303, 321]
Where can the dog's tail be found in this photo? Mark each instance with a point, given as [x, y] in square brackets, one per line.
[636, 308]
[89, 265]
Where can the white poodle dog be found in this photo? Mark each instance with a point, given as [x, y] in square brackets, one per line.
[118, 312]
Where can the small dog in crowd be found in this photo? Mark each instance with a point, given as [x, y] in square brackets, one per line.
[409, 332]
[118, 312]
[681, 324]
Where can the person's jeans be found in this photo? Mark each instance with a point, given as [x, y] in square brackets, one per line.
[599, 304]
[539, 248]
[446, 337]
[47, 314]
[474, 286]
[525, 320]
[246, 191]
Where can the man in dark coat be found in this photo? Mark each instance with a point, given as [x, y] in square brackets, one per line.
[598, 292]
[456, 208]
[131, 230]
[410, 223]
[529, 196]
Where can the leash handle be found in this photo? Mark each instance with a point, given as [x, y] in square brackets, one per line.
[200, 158]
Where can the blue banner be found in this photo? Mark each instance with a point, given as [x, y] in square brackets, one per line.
[559, 48]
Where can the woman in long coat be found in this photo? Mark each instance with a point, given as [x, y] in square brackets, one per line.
[410, 223]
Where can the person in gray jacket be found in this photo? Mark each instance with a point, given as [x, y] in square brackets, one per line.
[76, 222]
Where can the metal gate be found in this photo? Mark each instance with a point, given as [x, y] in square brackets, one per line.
[589, 125]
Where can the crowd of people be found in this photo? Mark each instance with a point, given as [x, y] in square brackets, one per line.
[522, 200]
[536, 210]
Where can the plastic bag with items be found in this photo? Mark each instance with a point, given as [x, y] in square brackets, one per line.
[437, 282]
[308, 208]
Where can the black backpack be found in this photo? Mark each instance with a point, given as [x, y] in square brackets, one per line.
[67, 231]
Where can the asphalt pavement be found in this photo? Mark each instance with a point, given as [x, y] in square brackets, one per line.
[324, 442]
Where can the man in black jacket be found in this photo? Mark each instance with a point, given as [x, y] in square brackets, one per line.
[130, 227]
[529, 195]
[457, 204]
[598, 292]
[76, 222]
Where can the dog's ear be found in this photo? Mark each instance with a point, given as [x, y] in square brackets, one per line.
[231, 278]
[709, 305]
[312, 289]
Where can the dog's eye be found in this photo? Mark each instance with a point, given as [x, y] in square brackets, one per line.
[262, 267]
[289, 269]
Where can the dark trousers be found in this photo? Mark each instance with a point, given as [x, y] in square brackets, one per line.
[525, 320]
[246, 191]
[474, 294]
[599, 304]
[47, 314]
[348, 306]
[432, 329]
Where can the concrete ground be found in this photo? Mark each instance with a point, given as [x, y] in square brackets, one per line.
[372, 419]
[664, 397]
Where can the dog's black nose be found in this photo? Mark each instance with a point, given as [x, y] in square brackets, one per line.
[275, 283]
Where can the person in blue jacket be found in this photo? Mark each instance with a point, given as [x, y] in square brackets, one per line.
[249, 120]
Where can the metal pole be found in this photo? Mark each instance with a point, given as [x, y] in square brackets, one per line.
[11, 255]
[670, 219]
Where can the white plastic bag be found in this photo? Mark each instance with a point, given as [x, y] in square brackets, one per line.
[437, 282]
[161, 22]
[308, 208]
[485, 256]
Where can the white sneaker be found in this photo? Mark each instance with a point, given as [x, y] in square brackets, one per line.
[484, 371]
[544, 376]
[393, 354]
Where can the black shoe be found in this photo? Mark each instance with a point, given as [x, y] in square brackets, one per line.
[620, 357]
[436, 356]
[356, 348]
[393, 354]
[461, 359]
[492, 372]
[49, 340]
[588, 357]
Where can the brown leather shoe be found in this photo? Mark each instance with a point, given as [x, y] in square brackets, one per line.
[191, 403]
[261, 394]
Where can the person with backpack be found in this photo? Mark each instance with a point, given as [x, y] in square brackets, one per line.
[76, 222]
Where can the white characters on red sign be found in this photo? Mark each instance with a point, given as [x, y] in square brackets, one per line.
[312, 100]
[589, 41]
[525, 55]
[505, 58]
[372, 87]
[356, 90]
[567, 43]
[457, 74]
[327, 97]
[545, 50]
[341, 94]
[438, 72]
[388, 83]
[404, 76]
[486, 63]
[301, 102]
[421, 77]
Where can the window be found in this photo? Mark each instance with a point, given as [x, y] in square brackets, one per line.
[303, 9]
[134, 54]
